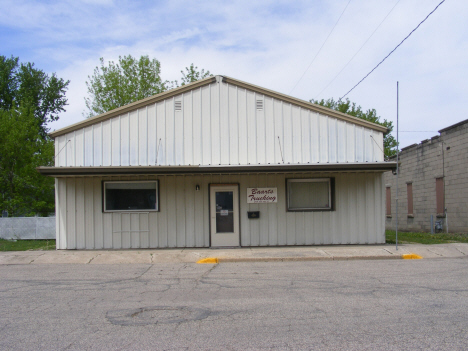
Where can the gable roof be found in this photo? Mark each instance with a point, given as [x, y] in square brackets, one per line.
[180, 90]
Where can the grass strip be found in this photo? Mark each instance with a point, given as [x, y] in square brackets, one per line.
[25, 245]
[426, 238]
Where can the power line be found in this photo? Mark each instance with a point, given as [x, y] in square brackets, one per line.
[396, 47]
[375, 30]
[320, 48]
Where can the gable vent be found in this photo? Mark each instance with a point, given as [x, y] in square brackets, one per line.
[259, 104]
[178, 105]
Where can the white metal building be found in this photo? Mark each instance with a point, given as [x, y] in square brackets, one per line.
[219, 162]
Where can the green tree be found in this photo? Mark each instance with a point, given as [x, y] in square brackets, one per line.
[192, 74]
[118, 84]
[370, 115]
[24, 85]
[23, 191]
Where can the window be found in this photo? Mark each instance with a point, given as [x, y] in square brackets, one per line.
[409, 193]
[310, 194]
[389, 201]
[131, 196]
[440, 196]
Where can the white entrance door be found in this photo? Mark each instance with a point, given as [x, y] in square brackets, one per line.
[224, 213]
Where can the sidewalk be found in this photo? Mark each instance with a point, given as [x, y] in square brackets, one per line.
[263, 254]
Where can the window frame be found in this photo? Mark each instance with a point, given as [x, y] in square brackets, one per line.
[104, 182]
[331, 194]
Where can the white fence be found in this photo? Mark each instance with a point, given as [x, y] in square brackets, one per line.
[27, 228]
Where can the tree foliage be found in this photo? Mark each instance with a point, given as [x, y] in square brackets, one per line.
[23, 191]
[29, 87]
[370, 115]
[118, 84]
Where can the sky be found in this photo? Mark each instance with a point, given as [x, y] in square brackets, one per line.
[306, 49]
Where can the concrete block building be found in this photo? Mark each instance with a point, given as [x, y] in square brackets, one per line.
[433, 181]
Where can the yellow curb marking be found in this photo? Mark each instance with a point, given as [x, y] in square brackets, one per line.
[208, 260]
[411, 257]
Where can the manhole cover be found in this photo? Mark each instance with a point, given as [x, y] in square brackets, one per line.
[156, 315]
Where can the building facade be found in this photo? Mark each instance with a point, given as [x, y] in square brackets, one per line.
[432, 181]
[219, 163]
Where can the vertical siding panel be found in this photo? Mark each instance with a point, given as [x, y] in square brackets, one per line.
[296, 134]
[144, 230]
[162, 215]
[242, 123]
[79, 148]
[124, 140]
[170, 131]
[254, 225]
[153, 140]
[244, 183]
[272, 210]
[71, 213]
[261, 130]
[189, 204]
[59, 208]
[263, 221]
[80, 213]
[326, 228]
[107, 227]
[251, 128]
[188, 128]
[206, 211]
[341, 141]
[350, 143]
[61, 155]
[97, 144]
[305, 137]
[314, 137]
[206, 124]
[215, 124]
[309, 229]
[97, 206]
[180, 210]
[352, 224]
[332, 135]
[56, 149]
[359, 144]
[269, 131]
[88, 146]
[370, 208]
[143, 135]
[318, 228]
[106, 143]
[153, 229]
[89, 212]
[171, 212]
[179, 133]
[70, 149]
[115, 141]
[233, 125]
[368, 145]
[224, 124]
[198, 206]
[279, 130]
[126, 231]
[361, 207]
[323, 135]
[134, 137]
[161, 133]
[135, 230]
[281, 209]
[117, 230]
[287, 134]
[197, 127]
[300, 228]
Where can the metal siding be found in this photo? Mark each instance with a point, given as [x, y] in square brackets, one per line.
[171, 211]
[124, 140]
[162, 215]
[215, 135]
[187, 123]
[270, 134]
[305, 136]
[296, 126]
[61, 154]
[251, 128]
[107, 230]
[350, 142]
[314, 137]
[97, 144]
[106, 143]
[179, 133]
[71, 214]
[242, 123]
[89, 213]
[224, 124]
[261, 131]
[197, 129]
[233, 131]
[134, 137]
[286, 141]
[189, 207]
[70, 149]
[278, 131]
[80, 214]
[323, 137]
[97, 212]
[332, 140]
[180, 210]
[206, 124]
[117, 230]
[199, 210]
[115, 141]
[143, 134]
[161, 133]
[135, 230]
[152, 135]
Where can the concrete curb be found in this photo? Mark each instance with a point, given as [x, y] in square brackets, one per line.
[214, 260]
